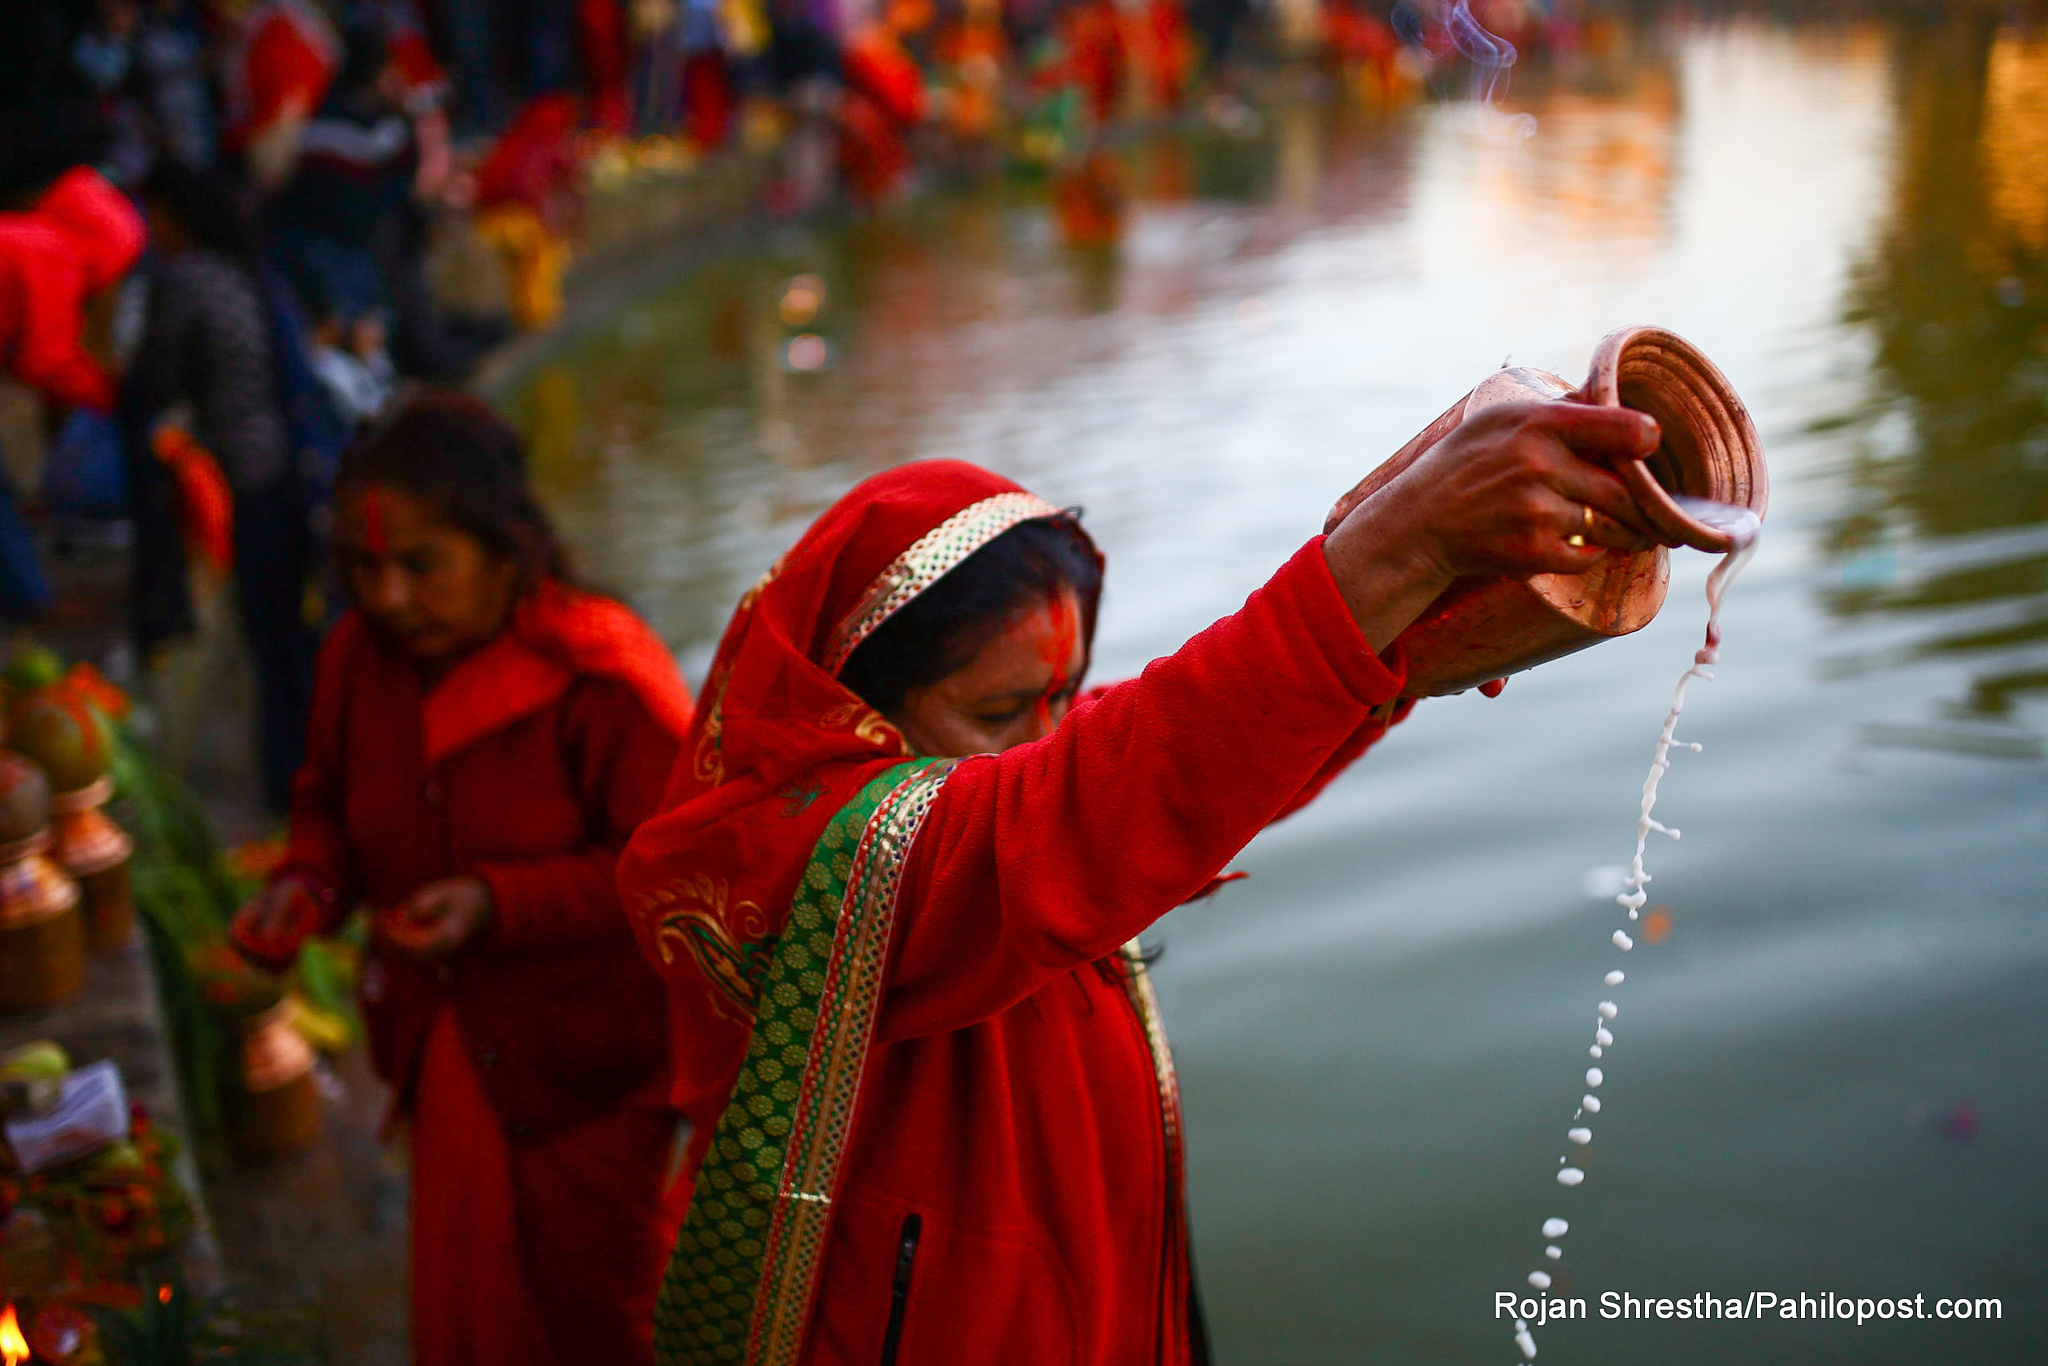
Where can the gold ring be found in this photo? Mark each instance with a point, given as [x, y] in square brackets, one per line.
[1578, 538]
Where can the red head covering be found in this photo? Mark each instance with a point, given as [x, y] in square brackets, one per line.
[779, 745]
[99, 223]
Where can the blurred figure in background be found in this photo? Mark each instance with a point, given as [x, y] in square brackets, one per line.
[59, 263]
[351, 177]
[485, 737]
[206, 368]
[281, 56]
[882, 104]
[529, 201]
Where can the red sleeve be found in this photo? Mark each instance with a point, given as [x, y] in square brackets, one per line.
[1378, 722]
[318, 850]
[1052, 854]
[51, 356]
[619, 757]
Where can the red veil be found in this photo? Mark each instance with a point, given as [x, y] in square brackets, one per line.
[779, 745]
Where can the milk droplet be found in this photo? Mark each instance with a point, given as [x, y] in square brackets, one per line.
[1616, 978]
[1603, 1037]
[1554, 1252]
[1596, 1051]
[1570, 1176]
[1590, 1104]
[1608, 1009]
[1594, 1076]
[1554, 1227]
[1623, 942]
[1540, 1279]
[1579, 1135]
[1526, 1343]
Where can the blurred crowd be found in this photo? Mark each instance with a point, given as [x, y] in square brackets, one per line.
[216, 216]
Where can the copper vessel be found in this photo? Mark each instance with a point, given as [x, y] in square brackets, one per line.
[280, 1104]
[42, 937]
[1481, 629]
[96, 852]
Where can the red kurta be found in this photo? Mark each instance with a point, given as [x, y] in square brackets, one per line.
[1010, 1101]
[533, 1064]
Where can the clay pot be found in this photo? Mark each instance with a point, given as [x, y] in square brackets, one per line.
[96, 852]
[1486, 628]
[42, 937]
[280, 1105]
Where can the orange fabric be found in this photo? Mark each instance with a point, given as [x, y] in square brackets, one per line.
[1168, 51]
[877, 65]
[206, 507]
[884, 99]
[1096, 55]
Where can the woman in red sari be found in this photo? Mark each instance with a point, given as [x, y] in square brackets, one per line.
[936, 1120]
[484, 738]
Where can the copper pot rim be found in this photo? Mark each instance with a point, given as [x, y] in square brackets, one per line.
[14, 851]
[1700, 379]
[91, 797]
[56, 893]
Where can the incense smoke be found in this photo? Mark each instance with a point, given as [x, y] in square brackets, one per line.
[1490, 56]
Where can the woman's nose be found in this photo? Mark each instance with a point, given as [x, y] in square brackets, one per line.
[388, 592]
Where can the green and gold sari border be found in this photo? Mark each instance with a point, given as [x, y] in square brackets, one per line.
[741, 1280]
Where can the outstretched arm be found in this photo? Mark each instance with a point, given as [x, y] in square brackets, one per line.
[1051, 854]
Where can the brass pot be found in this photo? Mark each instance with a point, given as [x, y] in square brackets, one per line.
[42, 937]
[1481, 629]
[280, 1104]
[95, 851]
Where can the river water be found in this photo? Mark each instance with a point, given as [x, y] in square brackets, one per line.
[1831, 1067]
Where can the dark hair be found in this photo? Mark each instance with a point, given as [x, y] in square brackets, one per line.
[453, 453]
[216, 211]
[945, 626]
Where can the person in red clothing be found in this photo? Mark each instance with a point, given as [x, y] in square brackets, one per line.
[882, 104]
[484, 738]
[529, 202]
[904, 859]
[59, 261]
[75, 244]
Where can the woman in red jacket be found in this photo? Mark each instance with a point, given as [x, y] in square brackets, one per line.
[937, 1121]
[484, 739]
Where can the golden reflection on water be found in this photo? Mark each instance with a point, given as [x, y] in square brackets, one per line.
[1600, 170]
[1945, 531]
[2016, 137]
